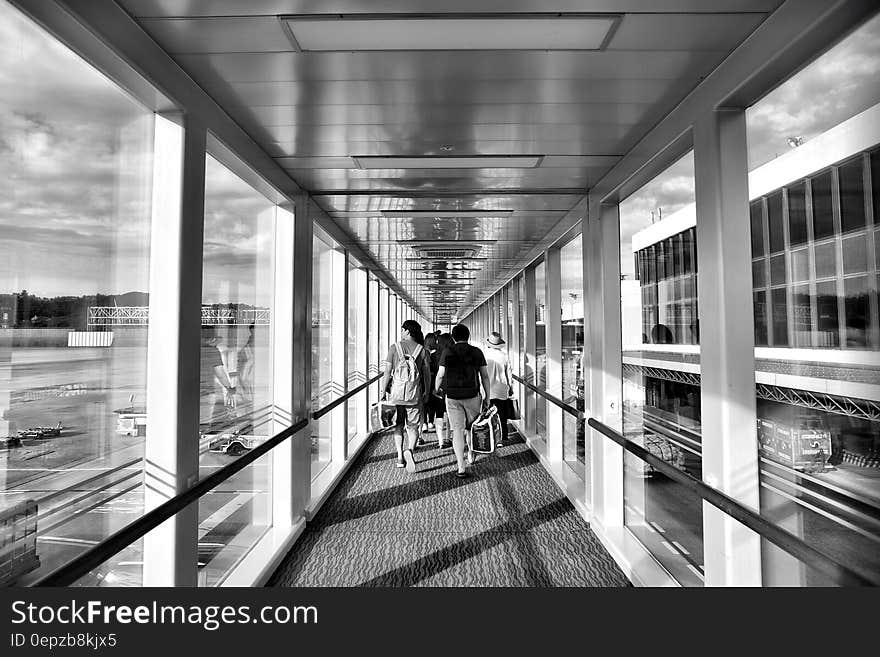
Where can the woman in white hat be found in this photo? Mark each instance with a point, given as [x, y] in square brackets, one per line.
[501, 384]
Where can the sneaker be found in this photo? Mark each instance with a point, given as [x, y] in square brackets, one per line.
[410, 461]
[462, 475]
[401, 463]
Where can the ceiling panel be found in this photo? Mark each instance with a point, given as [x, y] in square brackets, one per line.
[161, 8]
[582, 111]
[381, 66]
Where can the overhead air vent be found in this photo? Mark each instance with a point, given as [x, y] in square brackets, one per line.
[446, 250]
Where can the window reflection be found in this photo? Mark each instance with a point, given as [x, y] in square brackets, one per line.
[236, 367]
[572, 288]
[76, 158]
[540, 349]
[818, 434]
[661, 393]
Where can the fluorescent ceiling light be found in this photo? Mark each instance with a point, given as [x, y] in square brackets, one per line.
[447, 162]
[451, 31]
[441, 214]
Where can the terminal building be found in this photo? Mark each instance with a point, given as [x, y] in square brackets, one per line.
[217, 216]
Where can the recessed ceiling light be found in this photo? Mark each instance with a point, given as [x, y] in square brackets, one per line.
[446, 214]
[450, 31]
[447, 161]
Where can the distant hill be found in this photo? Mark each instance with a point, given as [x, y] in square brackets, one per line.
[130, 299]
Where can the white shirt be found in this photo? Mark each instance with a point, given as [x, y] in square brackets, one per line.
[499, 372]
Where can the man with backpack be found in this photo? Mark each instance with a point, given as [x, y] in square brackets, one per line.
[408, 371]
[461, 374]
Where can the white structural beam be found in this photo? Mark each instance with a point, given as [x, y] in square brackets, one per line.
[171, 456]
[603, 341]
[530, 370]
[553, 341]
[727, 344]
[282, 331]
[301, 442]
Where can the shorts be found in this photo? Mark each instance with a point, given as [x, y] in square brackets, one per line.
[409, 416]
[462, 412]
[437, 405]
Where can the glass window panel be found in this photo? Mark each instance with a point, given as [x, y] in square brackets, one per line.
[540, 348]
[801, 319]
[827, 319]
[780, 317]
[572, 288]
[760, 302]
[357, 347]
[775, 222]
[797, 215]
[236, 395]
[823, 217]
[856, 311]
[826, 260]
[855, 254]
[800, 265]
[374, 338]
[817, 461]
[521, 329]
[759, 276]
[756, 214]
[664, 517]
[676, 255]
[852, 195]
[688, 243]
[875, 184]
[76, 156]
[328, 377]
[877, 250]
[777, 269]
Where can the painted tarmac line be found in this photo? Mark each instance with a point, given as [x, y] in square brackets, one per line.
[223, 513]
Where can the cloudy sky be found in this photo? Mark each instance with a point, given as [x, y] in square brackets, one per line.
[75, 172]
[835, 87]
[75, 167]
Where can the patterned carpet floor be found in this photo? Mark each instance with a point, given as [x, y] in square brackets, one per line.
[506, 525]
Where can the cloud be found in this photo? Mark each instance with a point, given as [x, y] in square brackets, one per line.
[836, 86]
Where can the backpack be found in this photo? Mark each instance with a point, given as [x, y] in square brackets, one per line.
[406, 378]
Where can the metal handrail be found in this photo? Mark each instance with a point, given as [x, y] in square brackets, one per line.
[568, 408]
[752, 519]
[87, 561]
[351, 393]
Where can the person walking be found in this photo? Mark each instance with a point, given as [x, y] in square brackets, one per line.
[500, 381]
[461, 374]
[438, 401]
[408, 371]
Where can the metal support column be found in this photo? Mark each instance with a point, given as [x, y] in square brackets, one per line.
[603, 341]
[553, 337]
[171, 452]
[283, 366]
[727, 358]
[531, 365]
[301, 443]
